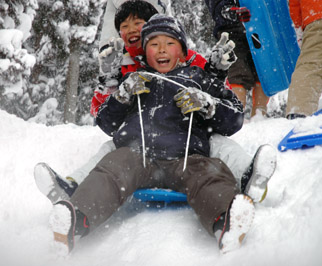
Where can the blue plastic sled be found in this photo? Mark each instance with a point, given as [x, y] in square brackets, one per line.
[300, 141]
[159, 195]
[272, 41]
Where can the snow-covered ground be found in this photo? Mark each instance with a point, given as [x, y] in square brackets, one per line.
[286, 231]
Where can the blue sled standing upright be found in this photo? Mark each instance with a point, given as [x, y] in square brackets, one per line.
[272, 41]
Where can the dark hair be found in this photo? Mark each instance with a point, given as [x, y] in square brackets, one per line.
[136, 8]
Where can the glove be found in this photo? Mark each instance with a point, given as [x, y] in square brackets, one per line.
[133, 85]
[193, 99]
[235, 13]
[222, 55]
[110, 58]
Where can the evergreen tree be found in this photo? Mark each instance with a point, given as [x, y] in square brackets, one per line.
[198, 23]
[16, 62]
[64, 32]
[63, 37]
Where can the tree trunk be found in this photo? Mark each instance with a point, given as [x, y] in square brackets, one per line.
[72, 83]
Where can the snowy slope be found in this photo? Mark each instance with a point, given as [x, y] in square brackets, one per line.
[287, 228]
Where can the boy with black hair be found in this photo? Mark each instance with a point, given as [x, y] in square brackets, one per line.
[168, 90]
[129, 22]
[113, 63]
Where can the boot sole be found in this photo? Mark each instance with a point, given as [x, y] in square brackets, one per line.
[62, 222]
[46, 181]
[241, 216]
[264, 168]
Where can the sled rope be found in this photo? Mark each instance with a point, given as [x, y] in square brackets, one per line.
[190, 120]
[188, 141]
[184, 87]
[142, 130]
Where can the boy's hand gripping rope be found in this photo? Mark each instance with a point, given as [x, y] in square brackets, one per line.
[147, 76]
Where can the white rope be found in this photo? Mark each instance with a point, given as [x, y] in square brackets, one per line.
[188, 142]
[190, 122]
[191, 116]
[142, 129]
[217, 100]
[164, 78]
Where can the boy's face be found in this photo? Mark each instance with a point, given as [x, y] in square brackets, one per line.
[163, 53]
[130, 31]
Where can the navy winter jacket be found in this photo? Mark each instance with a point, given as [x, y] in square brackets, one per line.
[165, 128]
[221, 24]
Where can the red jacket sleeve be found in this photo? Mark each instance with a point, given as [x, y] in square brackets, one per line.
[97, 100]
[199, 60]
[295, 12]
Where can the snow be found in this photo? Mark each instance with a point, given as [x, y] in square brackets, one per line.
[286, 230]
[4, 64]
[10, 40]
[16, 58]
[86, 34]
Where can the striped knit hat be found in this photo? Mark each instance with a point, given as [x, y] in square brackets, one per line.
[160, 24]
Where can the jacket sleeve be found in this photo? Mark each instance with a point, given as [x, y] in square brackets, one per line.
[197, 59]
[295, 12]
[111, 113]
[229, 115]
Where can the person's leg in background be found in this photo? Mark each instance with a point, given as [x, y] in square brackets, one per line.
[260, 100]
[242, 74]
[306, 84]
[241, 93]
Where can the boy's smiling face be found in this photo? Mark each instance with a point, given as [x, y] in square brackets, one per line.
[130, 31]
[163, 53]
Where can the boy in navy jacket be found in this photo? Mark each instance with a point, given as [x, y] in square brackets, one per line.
[167, 91]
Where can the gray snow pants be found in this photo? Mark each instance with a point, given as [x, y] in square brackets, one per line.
[209, 184]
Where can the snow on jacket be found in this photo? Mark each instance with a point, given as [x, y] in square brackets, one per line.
[304, 12]
[108, 30]
[165, 128]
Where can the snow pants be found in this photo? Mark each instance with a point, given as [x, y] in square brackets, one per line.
[209, 184]
[224, 148]
[306, 84]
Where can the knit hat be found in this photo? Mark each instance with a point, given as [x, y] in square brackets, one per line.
[138, 8]
[161, 24]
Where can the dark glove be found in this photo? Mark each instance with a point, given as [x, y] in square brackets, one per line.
[110, 58]
[222, 55]
[235, 13]
[193, 99]
[133, 85]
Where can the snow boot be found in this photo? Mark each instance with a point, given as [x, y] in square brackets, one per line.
[254, 180]
[67, 225]
[52, 185]
[232, 227]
